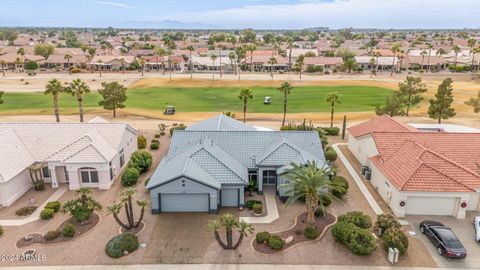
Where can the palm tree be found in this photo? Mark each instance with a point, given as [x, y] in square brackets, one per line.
[423, 53]
[471, 44]
[160, 52]
[3, 64]
[68, 57]
[220, 48]
[122, 62]
[190, 49]
[245, 95]
[376, 54]
[1, 95]
[456, 49]
[372, 62]
[141, 63]
[213, 57]
[251, 48]
[78, 88]
[169, 60]
[395, 50]
[290, 46]
[229, 222]
[286, 88]
[232, 57]
[310, 182]
[299, 64]
[100, 64]
[54, 88]
[333, 99]
[241, 54]
[21, 52]
[475, 51]
[126, 202]
[272, 61]
[430, 47]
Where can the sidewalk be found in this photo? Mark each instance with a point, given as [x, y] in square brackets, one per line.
[35, 215]
[272, 211]
[373, 203]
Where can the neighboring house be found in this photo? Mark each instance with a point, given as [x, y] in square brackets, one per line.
[110, 62]
[432, 170]
[210, 164]
[434, 63]
[87, 154]
[327, 63]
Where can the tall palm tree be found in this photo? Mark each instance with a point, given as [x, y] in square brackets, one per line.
[471, 44]
[54, 88]
[78, 88]
[220, 48]
[456, 49]
[286, 88]
[122, 62]
[232, 56]
[333, 99]
[430, 47]
[372, 62]
[190, 49]
[3, 64]
[141, 63]
[213, 57]
[310, 182]
[251, 48]
[241, 54]
[68, 57]
[376, 54]
[299, 64]
[272, 61]
[100, 64]
[423, 53]
[395, 50]
[169, 60]
[245, 95]
[474, 52]
[290, 46]
[21, 52]
[160, 52]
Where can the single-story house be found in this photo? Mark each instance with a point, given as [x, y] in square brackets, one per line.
[111, 62]
[209, 165]
[424, 62]
[419, 171]
[89, 154]
[381, 62]
[327, 63]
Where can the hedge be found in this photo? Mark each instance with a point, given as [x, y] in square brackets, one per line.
[311, 232]
[50, 235]
[54, 205]
[275, 242]
[331, 155]
[262, 237]
[395, 238]
[142, 142]
[141, 160]
[357, 218]
[154, 145]
[46, 214]
[130, 176]
[331, 131]
[359, 241]
[68, 230]
[387, 221]
[180, 127]
[119, 244]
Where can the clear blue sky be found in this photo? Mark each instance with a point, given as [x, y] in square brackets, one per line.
[259, 14]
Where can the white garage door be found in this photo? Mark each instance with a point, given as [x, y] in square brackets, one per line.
[439, 206]
[184, 202]
[230, 197]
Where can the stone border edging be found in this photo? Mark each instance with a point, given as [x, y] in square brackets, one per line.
[297, 244]
[61, 243]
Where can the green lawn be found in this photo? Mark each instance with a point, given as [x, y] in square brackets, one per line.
[302, 99]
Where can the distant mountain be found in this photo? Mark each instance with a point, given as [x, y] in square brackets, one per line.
[170, 24]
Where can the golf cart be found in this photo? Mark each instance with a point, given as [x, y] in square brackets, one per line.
[266, 101]
[169, 110]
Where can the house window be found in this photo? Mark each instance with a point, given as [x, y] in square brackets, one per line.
[45, 172]
[269, 177]
[122, 158]
[89, 175]
[252, 176]
[111, 171]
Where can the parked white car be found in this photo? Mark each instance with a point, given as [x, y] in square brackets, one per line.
[476, 225]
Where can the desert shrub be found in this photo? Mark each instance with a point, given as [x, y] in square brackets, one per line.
[68, 230]
[141, 160]
[331, 131]
[1, 231]
[311, 233]
[31, 65]
[324, 200]
[386, 221]
[124, 242]
[142, 142]
[331, 155]
[357, 218]
[275, 242]
[81, 213]
[50, 235]
[342, 186]
[395, 238]
[324, 141]
[157, 135]
[174, 124]
[155, 141]
[75, 70]
[359, 241]
[54, 205]
[162, 133]
[180, 127]
[26, 210]
[154, 145]
[46, 214]
[313, 69]
[257, 208]
[130, 176]
[39, 185]
[262, 237]
[250, 203]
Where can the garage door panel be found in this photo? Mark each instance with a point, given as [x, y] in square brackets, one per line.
[184, 202]
[440, 206]
[230, 197]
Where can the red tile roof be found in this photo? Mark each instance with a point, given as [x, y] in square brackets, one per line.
[378, 124]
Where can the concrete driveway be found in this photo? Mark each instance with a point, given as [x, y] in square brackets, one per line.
[464, 230]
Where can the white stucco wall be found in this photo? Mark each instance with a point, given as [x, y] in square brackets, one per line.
[362, 148]
[13, 189]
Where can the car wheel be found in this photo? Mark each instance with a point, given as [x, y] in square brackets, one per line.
[422, 229]
[439, 251]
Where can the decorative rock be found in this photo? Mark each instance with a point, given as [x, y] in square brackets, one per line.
[125, 252]
[143, 245]
[32, 201]
[289, 240]
[28, 237]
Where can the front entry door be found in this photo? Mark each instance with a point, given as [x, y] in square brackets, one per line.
[269, 177]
